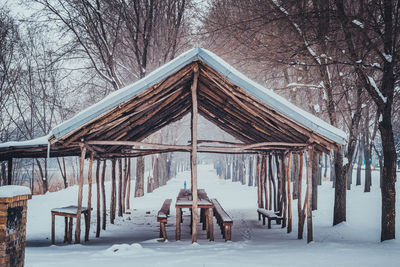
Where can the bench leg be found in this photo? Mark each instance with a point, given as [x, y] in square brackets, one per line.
[163, 231]
[227, 232]
[210, 224]
[53, 229]
[269, 223]
[259, 216]
[178, 224]
[263, 220]
[66, 229]
[71, 223]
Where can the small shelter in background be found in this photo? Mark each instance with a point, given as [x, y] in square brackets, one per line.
[200, 83]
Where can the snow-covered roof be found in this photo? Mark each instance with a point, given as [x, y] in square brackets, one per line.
[267, 96]
[7, 191]
[41, 141]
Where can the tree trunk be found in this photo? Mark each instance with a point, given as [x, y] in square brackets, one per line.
[367, 155]
[360, 160]
[128, 197]
[98, 199]
[113, 192]
[120, 182]
[103, 195]
[251, 170]
[139, 190]
[295, 176]
[339, 211]
[388, 189]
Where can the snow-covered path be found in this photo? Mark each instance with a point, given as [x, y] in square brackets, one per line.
[132, 241]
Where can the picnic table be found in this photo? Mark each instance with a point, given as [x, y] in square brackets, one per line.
[185, 200]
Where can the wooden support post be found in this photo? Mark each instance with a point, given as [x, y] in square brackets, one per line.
[9, 171]
[270, 182]
[128, 200]
[259, 199]
[89, 206]
[289, 196]
[98, 198]
[80, 192]
[103, 195]
[284, 193]
[66, 229]
[193, 154]
[315, 179]
[125, 181]
[113, 192]
[279, 186]
[120, 188]
[300, 211]
[265, 180]
[272, 179]
[309, 195]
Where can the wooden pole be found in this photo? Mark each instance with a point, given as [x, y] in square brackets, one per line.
[265, 180]
[279, 186]
[258, 182]
[89, 206]
[9, 171]
[103, 195]
[128, 201]
[284, 193]
[299, 210]
[113, 192]
[270, 181]
[193, 154]
[80, 191]
[120, 188]
[98, 198]
[309, 195]
[125, 177]
[289, 195]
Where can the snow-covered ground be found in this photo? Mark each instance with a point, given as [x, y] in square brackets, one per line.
[132, 240]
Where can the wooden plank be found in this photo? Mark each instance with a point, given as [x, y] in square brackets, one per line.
[193, 154]
[80, 191]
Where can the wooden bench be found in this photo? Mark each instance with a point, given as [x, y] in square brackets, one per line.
[162, 217]
[270, 215]
[223, 219]
[71, 213]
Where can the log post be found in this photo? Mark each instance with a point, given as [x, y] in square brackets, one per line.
[113, 192]
[279, 186]
[309, 195]
[125, 181]
[284, 195]
[128, 200]
[98, 198]
[270, 182]
[289, 196]
[259, 199]
[9, 171]
[299, 210]
[265, 180]
[193, 154]
[103, 195]
[80, 191]
[120, 187]
[89, 206]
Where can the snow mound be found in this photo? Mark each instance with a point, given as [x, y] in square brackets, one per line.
[126, 249]
[14, 190]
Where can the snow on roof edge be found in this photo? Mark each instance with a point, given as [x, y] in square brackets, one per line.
[272, 99]
[14, 190]
[40, 141]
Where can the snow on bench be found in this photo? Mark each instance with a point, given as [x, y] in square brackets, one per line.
[270, 215]
[162, 217]
[223, 219]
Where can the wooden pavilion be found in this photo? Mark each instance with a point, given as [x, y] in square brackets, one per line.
[200, 83]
